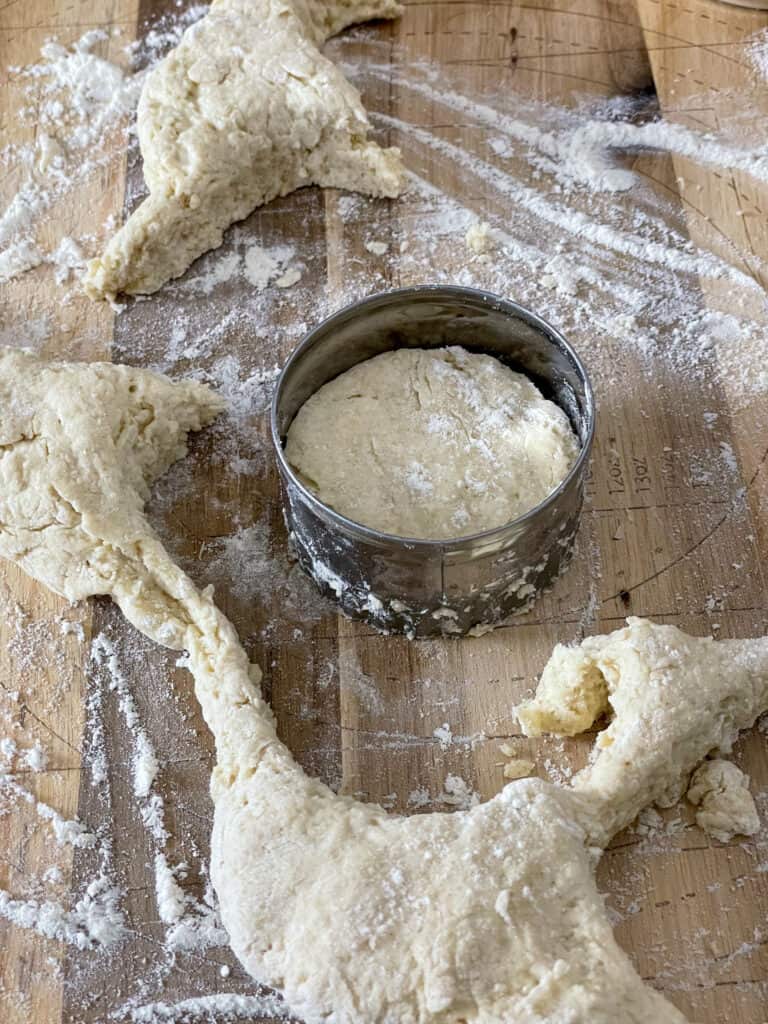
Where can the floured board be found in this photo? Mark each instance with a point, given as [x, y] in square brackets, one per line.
[659, 287]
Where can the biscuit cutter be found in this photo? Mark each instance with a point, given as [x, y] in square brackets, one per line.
[426, 588]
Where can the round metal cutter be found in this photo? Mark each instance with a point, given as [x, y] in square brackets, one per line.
[425, 587]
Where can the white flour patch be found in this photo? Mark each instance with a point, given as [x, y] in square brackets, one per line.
[262, 266]
[199, 927]
[145, 763]
[377, 248]
[78, 102]
[81, 105]
[250, 566]
[579, 151]
[757, 53]
[171, 902]
[456, 793]
[219, 1007]
[250, 262]
[35, 758]
[95, 919]
[18, 258]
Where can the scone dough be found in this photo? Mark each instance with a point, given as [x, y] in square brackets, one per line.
[670, 699]
[431, 443]
[726, 808]
[490, 915]
[244, 109]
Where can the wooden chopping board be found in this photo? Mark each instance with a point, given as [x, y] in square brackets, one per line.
[357, 708]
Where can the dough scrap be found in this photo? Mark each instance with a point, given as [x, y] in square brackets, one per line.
[673, 698]
[479, 237]
[489, 915]
[244, 109]
[431, 443]
[519, 768]
[720, 789]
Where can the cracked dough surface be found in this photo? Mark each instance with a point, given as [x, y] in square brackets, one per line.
[244, 109]
[488, 916]
[431, 443]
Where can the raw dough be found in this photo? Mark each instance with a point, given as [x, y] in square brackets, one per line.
[726, 807]
[673, 698]
[479, 238]
[245, 108]
[518, 768]
[431, 443]
[489, 915]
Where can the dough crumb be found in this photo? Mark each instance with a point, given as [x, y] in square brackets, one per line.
[518, 768]
[726, 807]
[479, 237]
[260, 267]
[377, 248]
[443, 735]
[289, 278]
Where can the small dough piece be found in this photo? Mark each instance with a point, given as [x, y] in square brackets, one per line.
[518, 768]
[674, 699]
[431, 443]
[479, 238]
[720, 789]
[244, 109]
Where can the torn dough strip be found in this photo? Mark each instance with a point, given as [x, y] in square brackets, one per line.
[244, 109]
[490, 914]
[674, 699]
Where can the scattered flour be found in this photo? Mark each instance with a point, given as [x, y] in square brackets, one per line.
[67, 831]
[456, 793]
[199, 928]
[757, 53]
[84, 95]
[221, 1006]
[171, 902]
[145, 764]
[579, 150]
[257, 265]
[77, 101]
[96, 918]
[35, 758]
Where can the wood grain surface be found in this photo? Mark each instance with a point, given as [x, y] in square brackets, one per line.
[358, 709]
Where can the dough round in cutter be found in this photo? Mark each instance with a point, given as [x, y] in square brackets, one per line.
[431, 443]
